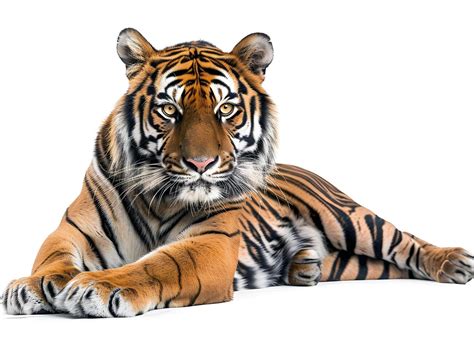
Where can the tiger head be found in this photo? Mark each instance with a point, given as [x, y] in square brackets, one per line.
[195, 122]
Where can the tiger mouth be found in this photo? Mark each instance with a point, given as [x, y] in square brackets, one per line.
[201, 184]
[200, 180]
[206, 188]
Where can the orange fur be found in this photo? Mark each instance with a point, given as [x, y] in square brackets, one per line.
[131, 242]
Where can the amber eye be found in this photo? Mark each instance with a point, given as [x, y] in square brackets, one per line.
[169, 110]
[226, 109]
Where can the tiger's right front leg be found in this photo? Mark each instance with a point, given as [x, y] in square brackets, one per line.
[64, 254]
[84, 241]
[57, 262]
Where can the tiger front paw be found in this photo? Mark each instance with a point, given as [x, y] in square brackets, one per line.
[110, 293]
[33, 294]
[450, 265]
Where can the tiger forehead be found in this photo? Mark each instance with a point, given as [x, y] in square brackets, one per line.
[203, 59]
[201, 71]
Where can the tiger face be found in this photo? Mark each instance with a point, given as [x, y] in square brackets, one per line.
[195, 118]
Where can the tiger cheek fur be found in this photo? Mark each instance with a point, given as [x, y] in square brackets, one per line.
[183, 203]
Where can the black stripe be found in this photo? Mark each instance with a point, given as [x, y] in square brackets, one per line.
[410, 255]
[102, 147]
[178, 269]
[23, 295]
[219, 82]
[396, 240]
[163, 234]
[333, 269]
[250, 139]
[181, 51]
[106, 227]
[235, 284]
[95, 250]
[363, 271]
[169, 65]
[141, 118]
[343, 261]
[213, 71]
[272, 210]
[155, 63]
[179, 72]
[212, 215]
[50, 289]
[42, 289]
[248, 274]
[230, 235]
[386, 271]
[106, 199]
[84, 265]
[418, 259]
[172, 83]
[154, 278]
[263, 113]
[53, 254]
[15, 299]
[111, 300]
[194, 298]
[376, 231]
[310, 261]
[218, 64]
[257, 236]
[462, 263]
[139, 223]
[164, 96]
[255, 252]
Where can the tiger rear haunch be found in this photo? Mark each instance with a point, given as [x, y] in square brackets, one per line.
[183, 203]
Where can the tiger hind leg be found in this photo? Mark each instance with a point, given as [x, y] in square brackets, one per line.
[379, 240]
[446, 265]
[341, 265]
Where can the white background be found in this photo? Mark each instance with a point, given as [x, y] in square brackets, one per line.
[375, 96]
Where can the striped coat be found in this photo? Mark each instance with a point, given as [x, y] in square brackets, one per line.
[183, 203]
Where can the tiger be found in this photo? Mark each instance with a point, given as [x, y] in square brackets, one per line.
[183, 202]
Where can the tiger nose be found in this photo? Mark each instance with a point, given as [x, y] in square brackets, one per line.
[201, 163]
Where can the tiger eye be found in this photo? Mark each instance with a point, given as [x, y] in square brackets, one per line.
[226, 108]
[169, 109]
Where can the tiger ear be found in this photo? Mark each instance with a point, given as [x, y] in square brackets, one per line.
[133, 49]
[256, 52]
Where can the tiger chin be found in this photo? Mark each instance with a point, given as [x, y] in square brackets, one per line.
[183, 203]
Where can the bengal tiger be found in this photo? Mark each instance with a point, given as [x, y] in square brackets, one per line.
[183, 203]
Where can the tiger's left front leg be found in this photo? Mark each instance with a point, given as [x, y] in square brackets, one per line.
[196, 270]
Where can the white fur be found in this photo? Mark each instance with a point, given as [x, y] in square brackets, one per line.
[199, 194]
[94, 305]
[293, 240]
[32, 304]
